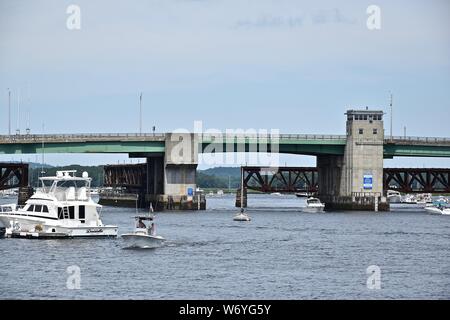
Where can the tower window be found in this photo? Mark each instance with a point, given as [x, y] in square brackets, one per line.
[375, 131]
[361, 131]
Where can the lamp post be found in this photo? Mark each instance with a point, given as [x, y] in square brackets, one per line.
[391, 116]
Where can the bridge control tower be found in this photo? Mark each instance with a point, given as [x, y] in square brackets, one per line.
[354, 181]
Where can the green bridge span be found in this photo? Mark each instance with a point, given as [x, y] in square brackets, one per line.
[148, 144]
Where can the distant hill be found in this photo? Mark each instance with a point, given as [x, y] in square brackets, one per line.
[34, 165]
[219, 177]
[223, 172]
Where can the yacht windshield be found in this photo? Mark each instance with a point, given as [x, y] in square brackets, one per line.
[67, 190]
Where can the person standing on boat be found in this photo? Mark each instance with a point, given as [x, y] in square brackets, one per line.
[152, 229]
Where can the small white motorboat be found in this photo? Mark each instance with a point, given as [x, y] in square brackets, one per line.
[313, 205]
[143, 237]
[437, 210]
[242, 216]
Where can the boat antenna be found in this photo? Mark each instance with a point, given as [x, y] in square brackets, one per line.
[242, 189]
[43, 149]
[136, 205]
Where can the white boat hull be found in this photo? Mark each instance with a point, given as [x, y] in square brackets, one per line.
[28, 224]
[313, 209]
[241, 217]
[437, 211]
[394, 199]
[142, 241]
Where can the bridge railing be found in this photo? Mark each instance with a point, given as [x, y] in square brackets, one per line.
[224, 136]
[204, 137]
[417, 139]
[77, 136]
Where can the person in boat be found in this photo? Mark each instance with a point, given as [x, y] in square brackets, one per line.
[152, 229]
[141, 224]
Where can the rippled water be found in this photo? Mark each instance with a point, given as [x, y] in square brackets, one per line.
[282, 254]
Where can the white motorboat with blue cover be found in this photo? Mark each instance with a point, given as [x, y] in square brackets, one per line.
[62, 207]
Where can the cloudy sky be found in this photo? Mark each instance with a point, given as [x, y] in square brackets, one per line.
[290, 65]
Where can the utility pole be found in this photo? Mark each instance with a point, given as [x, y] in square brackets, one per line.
[18, 113]
[140, 114]
[404, 131]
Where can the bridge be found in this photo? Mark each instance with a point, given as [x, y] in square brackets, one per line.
[154, 143]
[350, 171]
[305, 179]
[15, 175]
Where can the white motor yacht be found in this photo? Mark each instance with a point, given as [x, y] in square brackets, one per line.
[62, 207]
[313, 205]
[143, 237]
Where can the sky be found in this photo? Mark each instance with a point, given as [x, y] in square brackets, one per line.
[295, 66]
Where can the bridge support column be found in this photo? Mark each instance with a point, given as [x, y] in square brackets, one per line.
[180, 173]
[355, 181]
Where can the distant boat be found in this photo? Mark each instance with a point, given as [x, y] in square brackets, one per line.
[302, 195]
[394, 196]
[242, 216]
[437, 210]
[275, 194]
[313, 205]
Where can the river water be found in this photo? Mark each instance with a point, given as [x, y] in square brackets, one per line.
[281, 254]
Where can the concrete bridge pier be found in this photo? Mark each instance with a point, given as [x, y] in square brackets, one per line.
[180, 173]
[354, 181]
